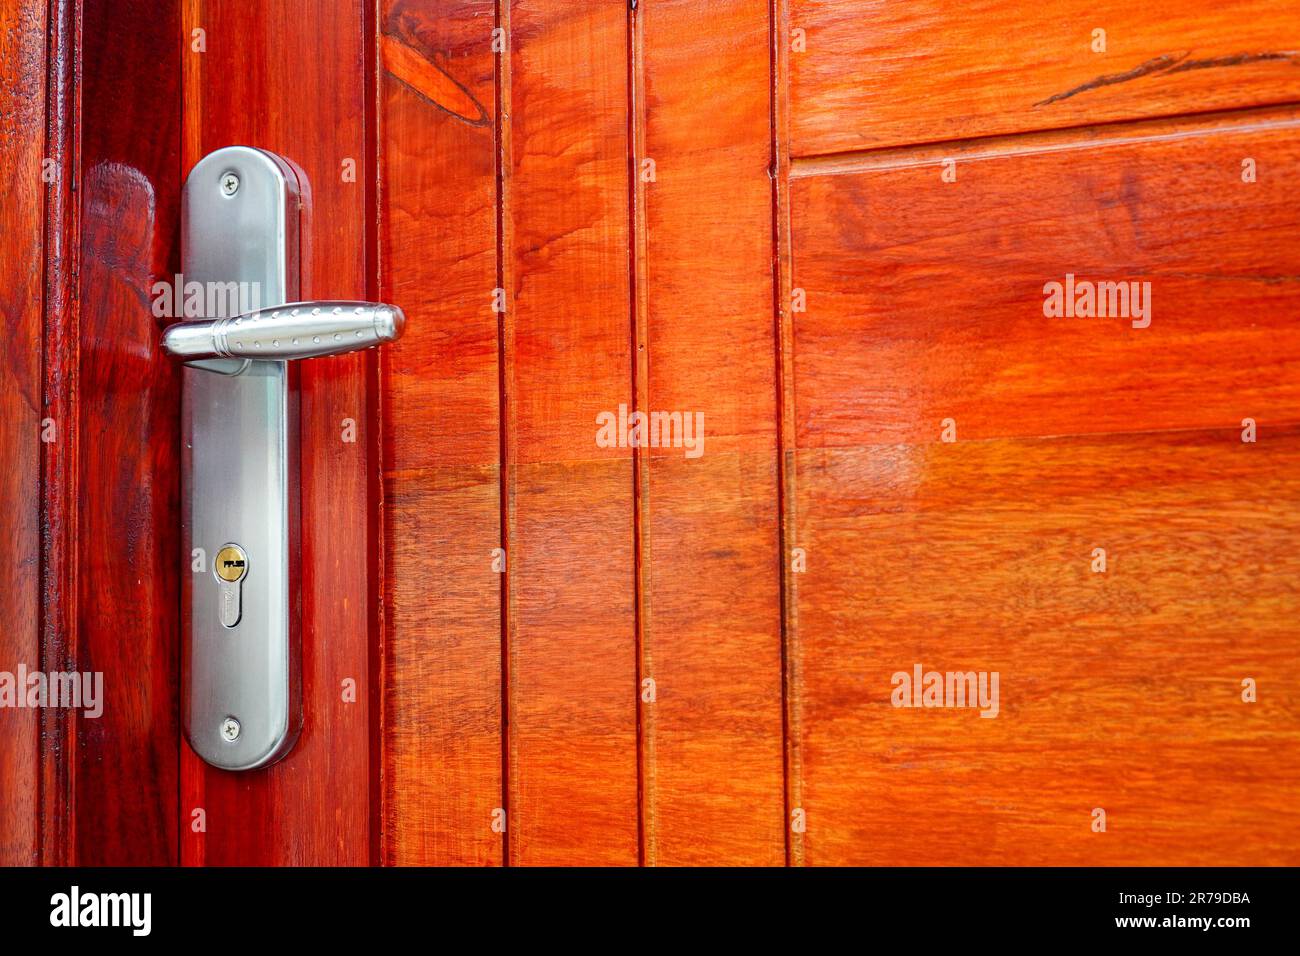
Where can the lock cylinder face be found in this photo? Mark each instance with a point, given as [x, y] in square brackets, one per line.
[230, 567]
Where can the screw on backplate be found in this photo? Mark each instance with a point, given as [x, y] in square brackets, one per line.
[230, 729]
[229, 184]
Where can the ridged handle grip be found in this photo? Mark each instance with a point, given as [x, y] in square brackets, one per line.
[295, 330]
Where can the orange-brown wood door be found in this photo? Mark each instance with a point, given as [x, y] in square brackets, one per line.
[824, 432]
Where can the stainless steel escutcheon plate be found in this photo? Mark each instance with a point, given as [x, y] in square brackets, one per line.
[243, 329]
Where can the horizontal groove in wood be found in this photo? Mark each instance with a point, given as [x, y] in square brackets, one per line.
[1095, 136]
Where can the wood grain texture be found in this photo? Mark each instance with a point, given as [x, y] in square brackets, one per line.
[438, 228]
[291, 78]
[60, 432]
[1119, 690]
[901, 71]
[22, 219]
[886, 252]
[711, 636]
[571, 684]
[128, 413]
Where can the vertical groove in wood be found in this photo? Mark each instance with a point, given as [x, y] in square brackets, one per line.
[505, 403]
[786, 458]
[376, 424]
[640, 378]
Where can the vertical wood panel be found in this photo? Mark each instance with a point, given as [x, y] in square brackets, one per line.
[22, 215]
[290, 77]
[571, 628]
[438, 231]
[711, 615]
[128, 407]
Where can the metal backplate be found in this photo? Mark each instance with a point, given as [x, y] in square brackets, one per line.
[242, 698]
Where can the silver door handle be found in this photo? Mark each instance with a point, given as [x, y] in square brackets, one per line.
[295, 330]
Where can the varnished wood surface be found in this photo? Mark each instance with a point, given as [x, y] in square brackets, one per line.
[60, 431]
[710, 745]
[93, 211]
[442, 743]
[925, 298]
[22, 219]
[922, 304]
[902, 72]
[291, 78]
[128, 395]
[711, 637]
[1119, 690]
[571, 684]
[489, 701]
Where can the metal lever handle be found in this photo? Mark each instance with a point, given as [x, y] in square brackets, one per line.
[295, 330]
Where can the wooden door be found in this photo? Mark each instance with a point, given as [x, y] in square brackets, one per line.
[89, 433]
[827, 231]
